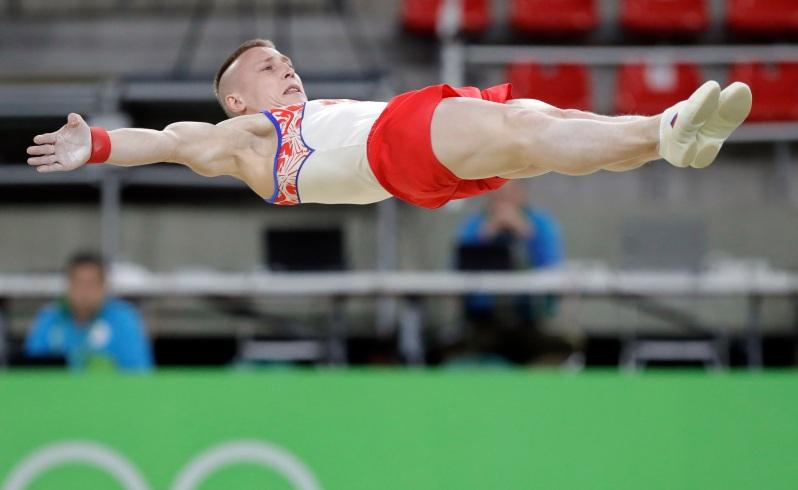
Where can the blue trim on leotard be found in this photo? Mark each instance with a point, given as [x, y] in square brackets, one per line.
[311, 150]
[279, 130]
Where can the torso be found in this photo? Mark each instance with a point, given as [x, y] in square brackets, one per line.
[322, 157]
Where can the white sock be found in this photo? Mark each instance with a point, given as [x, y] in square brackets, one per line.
[665, 123]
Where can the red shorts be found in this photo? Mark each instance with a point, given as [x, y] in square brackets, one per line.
[399, 148]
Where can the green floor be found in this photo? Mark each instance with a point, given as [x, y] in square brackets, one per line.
[414, 430]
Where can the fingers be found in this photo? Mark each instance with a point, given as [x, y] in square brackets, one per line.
[48, 155]
[74, 120]
[45, 138]
[45, 160]
[41, 150]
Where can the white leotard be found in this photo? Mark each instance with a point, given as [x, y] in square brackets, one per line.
[323, 153]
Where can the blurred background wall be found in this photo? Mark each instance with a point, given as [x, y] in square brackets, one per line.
[147, 63]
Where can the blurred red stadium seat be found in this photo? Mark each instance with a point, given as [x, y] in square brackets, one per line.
[772, 17]
[421, 16]
[553, 16]
[566, 85]
[775, 89]
[665, 16]
[642, 89]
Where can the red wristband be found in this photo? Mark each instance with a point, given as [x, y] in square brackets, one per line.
[100, 145]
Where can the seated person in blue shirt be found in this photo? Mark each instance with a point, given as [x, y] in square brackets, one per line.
[89, 329]
[507, 326]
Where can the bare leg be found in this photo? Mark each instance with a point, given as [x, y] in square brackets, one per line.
[526, 173]
[478, 139]
[624, 166]
[627, 165]
[554, 111]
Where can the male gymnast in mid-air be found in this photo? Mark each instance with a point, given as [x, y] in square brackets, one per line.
[425, 147]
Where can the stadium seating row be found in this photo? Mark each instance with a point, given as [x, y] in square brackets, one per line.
[746, 17]
[649, 89]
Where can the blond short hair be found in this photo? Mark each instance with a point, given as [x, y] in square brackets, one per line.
[246, 45]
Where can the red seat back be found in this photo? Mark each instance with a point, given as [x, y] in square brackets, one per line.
[775, 89]
[665, 16]
[566, 86]
[649, 90]
[553, 16]
[770, 17]
[421, 16]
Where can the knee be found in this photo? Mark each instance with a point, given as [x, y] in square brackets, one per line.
[540, 106]
[505, 139]
[525, 129]
[537, 140]
[533, 139]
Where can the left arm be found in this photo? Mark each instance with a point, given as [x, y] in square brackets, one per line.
[207, 149]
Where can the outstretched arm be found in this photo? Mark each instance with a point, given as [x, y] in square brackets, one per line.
[207, 149]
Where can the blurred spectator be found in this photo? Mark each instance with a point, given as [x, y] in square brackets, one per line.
[89, 329]
[508, 327]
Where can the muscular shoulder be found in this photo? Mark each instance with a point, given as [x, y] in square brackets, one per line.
[259, 138]
[220, 149]
[255, 124]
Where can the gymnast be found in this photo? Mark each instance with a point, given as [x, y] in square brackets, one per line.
[425, 147]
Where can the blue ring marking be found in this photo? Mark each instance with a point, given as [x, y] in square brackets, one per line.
[271, 118]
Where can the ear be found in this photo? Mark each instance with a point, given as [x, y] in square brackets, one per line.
[234, 104]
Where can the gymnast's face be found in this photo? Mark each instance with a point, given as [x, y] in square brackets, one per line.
[261, 78]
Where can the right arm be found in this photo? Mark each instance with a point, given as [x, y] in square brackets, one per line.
[207, 149]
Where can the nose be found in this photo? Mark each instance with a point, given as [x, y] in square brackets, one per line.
[289, 73]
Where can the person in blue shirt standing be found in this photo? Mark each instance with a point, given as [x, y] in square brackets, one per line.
[508, 326]
[88, 328]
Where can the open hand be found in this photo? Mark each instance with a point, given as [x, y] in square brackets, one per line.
[66, 149]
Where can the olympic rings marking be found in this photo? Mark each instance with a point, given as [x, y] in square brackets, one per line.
[92, 453]
[266, 455]
[194, 473]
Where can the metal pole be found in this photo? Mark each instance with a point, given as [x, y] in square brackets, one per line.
[783, 171]
[452, 52]
[248, 18]
[615, 55]
[188, 46]
[795, 323]
[337, 336]
[282, 25]
[3, 335]
[369, 55]
[411, 342]
[386, 261]
[753, 343]
[110, 214]
[452, 62]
